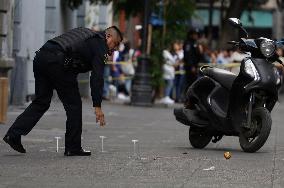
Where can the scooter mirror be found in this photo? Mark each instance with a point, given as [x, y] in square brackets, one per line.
[235, 22]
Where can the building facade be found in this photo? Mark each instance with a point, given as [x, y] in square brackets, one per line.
[37, 21]
[265, 20]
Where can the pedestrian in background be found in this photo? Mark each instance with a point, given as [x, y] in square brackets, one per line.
[192, 55]
[118, 74]
[280, 68]
[128, 67]
[180, 73]
[170, 62]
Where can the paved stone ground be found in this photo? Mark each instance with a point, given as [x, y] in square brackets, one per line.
[166, 158]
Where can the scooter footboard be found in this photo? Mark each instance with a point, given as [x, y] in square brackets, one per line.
[189, 117]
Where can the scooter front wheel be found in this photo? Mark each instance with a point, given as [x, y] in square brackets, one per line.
[258, 132]
[198, 139]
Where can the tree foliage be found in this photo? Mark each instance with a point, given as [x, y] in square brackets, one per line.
[176, 15]
[131, 7]
[234, 8]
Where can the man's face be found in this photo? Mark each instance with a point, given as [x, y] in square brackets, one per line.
[113, 42]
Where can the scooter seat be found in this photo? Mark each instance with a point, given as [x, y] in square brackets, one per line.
[224, 77]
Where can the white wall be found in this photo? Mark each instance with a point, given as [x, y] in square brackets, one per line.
[98, 16]
[32, 34]
[67, 18]
[41, 20]
[58, 18]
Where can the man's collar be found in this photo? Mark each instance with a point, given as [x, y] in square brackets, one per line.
[102, 34]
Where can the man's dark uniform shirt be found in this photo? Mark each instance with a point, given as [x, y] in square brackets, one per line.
[85, 55]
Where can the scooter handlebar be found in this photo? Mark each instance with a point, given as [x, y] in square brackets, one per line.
[234, 43]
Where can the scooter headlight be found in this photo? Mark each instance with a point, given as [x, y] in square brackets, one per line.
[251, 70]
[267, 48]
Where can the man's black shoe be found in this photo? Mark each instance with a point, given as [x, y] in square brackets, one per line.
[15, 143]
[77, 153]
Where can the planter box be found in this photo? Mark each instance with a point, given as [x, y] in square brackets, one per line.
[3, 99]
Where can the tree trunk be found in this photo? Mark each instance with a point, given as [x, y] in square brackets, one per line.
[210, 22]
[6, 49]
[228, 32]
[165, 3]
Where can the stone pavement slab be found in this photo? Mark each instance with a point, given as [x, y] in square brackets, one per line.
[166, 158]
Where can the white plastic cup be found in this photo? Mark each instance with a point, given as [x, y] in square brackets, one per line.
[57, 143]
[102, 141]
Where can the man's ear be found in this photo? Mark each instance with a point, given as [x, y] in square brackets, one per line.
[108, 35]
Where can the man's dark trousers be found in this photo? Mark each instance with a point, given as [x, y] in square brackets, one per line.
[49, 75]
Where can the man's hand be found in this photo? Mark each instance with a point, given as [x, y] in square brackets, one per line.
[100, 116]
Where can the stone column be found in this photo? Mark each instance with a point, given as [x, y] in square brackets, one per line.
[6, 48]
[6, 35]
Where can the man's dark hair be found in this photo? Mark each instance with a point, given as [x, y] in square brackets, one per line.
[116, 30]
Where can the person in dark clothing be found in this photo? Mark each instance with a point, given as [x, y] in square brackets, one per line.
[56, 66]
[192, 56]
[123, 56]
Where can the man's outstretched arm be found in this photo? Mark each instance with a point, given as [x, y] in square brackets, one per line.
[97, 81]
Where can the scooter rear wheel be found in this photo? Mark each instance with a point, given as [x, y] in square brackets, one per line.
[261, 122]
[198, 139]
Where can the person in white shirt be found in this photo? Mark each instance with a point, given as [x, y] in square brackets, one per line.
[170, 62]
[180, 72]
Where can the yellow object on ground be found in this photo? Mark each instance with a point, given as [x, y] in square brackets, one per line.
[227, 155]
